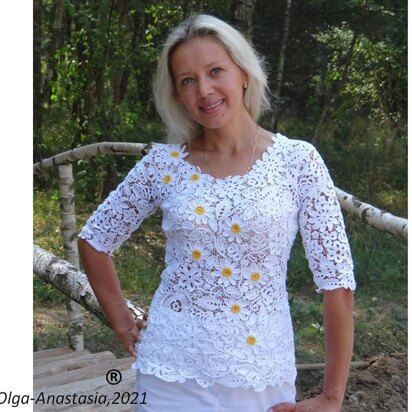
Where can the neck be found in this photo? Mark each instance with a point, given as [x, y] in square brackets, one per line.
[230, 138]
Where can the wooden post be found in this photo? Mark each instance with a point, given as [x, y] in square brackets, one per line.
[71, 253]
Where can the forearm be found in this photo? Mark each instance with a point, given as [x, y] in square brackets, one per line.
[105, 283]
[338, 324]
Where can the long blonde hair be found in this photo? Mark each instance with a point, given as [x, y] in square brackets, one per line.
[180, 127]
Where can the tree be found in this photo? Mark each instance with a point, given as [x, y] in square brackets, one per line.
[243, 15]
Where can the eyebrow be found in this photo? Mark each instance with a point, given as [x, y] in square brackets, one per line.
[214, 63]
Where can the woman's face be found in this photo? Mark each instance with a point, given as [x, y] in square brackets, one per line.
[208, 83]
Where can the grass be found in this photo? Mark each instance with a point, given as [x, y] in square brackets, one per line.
[380, 268]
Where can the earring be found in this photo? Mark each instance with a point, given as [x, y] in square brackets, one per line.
[245, 85]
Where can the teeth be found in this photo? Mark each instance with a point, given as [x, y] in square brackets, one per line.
[213, 105]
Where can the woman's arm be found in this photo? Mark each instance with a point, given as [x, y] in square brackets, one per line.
[103, 278]
[338, 325]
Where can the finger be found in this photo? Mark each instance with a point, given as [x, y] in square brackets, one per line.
[145, 316]
[133, 335]
[131, 349]
[141, 324]
[283, 407]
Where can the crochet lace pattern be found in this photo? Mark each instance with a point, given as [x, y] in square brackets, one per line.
[221, 312]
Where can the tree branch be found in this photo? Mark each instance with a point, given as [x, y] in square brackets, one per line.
[89, 151]
[72, 282]
[372, 215]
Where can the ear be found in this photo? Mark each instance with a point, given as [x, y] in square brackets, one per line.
[245, 83]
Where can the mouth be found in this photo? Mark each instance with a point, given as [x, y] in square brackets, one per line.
[212, 108]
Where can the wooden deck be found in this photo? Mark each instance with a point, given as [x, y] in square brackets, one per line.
[64, 380]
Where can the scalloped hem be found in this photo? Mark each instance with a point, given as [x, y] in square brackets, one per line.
[206, 383]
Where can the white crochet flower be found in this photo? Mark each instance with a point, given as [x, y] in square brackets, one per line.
[174, 155]
[226, 273]
[198, 212]
[235, 229]
[235, 310]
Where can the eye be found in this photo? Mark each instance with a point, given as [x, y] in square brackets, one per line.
[216, 70]
[186, 81]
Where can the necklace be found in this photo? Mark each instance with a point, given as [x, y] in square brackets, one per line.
[251, 157]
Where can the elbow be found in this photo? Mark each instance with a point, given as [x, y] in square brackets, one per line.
[341, 296]
[81, 244]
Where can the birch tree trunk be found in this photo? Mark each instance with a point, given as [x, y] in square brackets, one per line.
[243, 16]
[71, 254]
[373, 216]
[276, 102]
[72, 282]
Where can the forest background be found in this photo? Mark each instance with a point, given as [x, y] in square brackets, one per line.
[337, 72]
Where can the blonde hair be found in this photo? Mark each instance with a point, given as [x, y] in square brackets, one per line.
[180, 127]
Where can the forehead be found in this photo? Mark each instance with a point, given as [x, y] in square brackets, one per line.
[198, 51]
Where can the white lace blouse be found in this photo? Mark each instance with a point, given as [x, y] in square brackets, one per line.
[221, 312]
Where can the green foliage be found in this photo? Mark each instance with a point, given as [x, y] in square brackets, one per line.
[97, 86]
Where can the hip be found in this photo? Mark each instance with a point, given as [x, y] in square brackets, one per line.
[162, 396]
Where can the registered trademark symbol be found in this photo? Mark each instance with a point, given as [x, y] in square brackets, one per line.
[113, 377]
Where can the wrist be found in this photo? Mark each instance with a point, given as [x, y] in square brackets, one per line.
[334, 397]
[122, 326]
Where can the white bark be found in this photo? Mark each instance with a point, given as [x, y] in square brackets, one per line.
[373, 216]
[89, 151]
[71, 253]
[72, 282]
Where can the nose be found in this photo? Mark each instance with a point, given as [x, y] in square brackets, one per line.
[204, 87]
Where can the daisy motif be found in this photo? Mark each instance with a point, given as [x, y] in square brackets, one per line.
[198, 212]
[174, 154]
[167, 178]
[196, 254]
[226, 274]
[236, 310]
[251, 341]
[254, 275]
[195, 177]
[235, 229]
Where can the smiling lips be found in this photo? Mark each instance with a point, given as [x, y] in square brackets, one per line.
[212, 108]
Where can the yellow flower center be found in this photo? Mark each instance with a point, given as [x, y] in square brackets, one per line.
[167, 179]
[251, 340]
[255, 276]
[235, 308]
[194, 177]
[196, 254]
[175, 154]
[200, 210]
[235, 228]
[226, 272]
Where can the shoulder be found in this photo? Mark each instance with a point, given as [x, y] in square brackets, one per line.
[295, 148]
[161, 155]
[164, 151]
[298, 153]
[300, 156]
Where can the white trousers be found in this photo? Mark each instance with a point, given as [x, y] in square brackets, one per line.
[162, 396]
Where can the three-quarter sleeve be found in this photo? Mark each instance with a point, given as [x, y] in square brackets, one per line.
[125, 208]
[321, 225]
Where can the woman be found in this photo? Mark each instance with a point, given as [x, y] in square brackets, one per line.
[219, 334]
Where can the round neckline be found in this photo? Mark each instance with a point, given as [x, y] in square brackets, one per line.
[254, 166]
